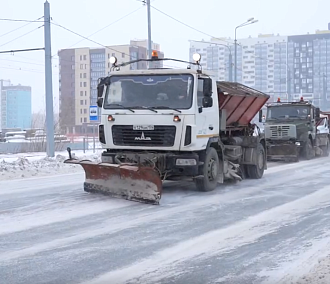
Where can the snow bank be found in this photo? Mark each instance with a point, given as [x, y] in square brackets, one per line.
[319, 274]
[38, 164]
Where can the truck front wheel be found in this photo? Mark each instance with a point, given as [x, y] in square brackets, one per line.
[308, 150]
[211, 171]
[257, 171]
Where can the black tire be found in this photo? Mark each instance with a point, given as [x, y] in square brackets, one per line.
[211, 171]
[326, 149]
[257, 171]
[296, 159]
[308, 150]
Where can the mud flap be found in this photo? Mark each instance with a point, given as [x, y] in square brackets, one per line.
[130, 182]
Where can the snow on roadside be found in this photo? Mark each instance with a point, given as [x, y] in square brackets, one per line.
[27, 165]
[319, 274]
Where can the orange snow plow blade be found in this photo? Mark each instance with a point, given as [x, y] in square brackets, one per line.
[134, 183]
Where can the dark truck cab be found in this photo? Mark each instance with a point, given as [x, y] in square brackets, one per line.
[291, 131]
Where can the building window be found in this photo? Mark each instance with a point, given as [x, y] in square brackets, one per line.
[81, 102]
[80, 111]
[85, 102]
[85, 84]
[81, 93]
[85, 93]
[85, 75]
[80, 84]
[85, 57]
[85, 119]
[85, 111]
[72, 67]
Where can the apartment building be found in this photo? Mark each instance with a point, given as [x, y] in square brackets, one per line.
[282, 66]
[15, 105]
[80, 69]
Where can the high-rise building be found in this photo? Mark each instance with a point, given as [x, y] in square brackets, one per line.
[16, 106]
[282, 66]
[80, 69]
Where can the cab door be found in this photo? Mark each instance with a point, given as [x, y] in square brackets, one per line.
[207, 116]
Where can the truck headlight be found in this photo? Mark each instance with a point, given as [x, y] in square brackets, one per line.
[297, 143]
[186, 162]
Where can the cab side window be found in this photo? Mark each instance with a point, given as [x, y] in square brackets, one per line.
[200, 92]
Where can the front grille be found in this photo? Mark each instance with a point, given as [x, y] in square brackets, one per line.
[279, 131]
[161, 136]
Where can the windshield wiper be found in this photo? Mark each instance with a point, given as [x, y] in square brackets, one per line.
[166, 107]
[144, 107]
[121, 107]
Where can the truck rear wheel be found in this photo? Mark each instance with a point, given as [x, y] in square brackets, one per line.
[325, 149]
[211, 171]
[257, 171]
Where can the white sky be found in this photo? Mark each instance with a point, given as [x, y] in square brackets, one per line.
[215, 17]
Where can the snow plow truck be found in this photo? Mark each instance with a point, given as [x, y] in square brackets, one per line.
[294, 130]
[163, 124]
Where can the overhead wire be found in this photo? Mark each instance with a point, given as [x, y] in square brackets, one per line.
[105, 27]
[20, 20]
[112, 23]
[86, 38]
[29, 23]
[20, 36]
[197, 30]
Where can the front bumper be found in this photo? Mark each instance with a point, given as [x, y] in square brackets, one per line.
[283, 150]
[183, 164]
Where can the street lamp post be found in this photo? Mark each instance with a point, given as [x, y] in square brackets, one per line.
[230, 57]
[248, 22]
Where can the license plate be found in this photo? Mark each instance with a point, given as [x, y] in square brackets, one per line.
[143, 127]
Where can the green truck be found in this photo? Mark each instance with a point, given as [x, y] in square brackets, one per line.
[291, 131]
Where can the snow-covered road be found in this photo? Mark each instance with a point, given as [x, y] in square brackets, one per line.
[258, 231]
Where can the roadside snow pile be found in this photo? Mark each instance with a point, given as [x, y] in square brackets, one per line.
[24, 167]
[320, 273]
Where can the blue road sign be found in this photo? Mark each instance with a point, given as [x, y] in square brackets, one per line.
[93, 113]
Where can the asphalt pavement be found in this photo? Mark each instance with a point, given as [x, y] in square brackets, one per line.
[255, 231]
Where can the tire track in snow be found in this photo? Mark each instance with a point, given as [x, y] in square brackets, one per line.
[149, 214]
[163, 263]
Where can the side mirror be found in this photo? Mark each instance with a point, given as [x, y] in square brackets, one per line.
[207, 102]
[317, 113]
[100, 90]
[260, 115]
[99, 102]
[207, 87]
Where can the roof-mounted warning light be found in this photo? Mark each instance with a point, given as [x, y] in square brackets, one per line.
[154, 54]
[302, 99]
[197, 57]
[278, 100]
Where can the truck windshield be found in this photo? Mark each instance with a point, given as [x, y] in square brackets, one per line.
[150, 91]
[288, 111]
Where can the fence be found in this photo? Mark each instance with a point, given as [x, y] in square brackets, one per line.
[21, 147]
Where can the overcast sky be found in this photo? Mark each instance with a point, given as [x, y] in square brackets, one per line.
[215, 17]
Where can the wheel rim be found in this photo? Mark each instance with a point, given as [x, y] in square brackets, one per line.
[310, 148]
[212, 170]
[260, 160]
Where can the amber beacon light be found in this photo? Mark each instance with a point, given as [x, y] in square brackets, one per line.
[154, 55]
